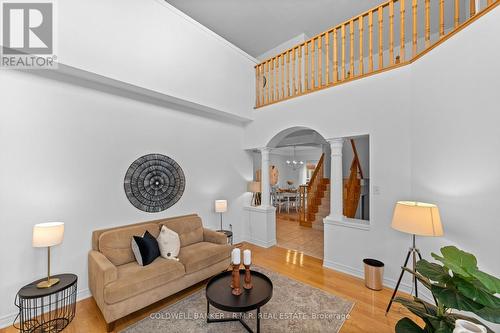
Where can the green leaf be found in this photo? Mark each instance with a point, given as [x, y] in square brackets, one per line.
[476, 292]
[417, 306]
[433, 272]
[451, 298]
[443, 327]
[406, 325]
[490, 282]
[460, 262]
[489, 314]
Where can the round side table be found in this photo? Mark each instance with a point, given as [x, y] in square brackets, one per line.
[218, 292]
[47, 310]
[229, 235]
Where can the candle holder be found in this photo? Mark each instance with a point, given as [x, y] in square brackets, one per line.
[235, 283]
[248, 278]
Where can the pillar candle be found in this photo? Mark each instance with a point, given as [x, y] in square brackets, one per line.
[247, 257]
[236, 256]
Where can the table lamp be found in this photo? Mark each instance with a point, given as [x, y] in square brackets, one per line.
[47, 235]
[220, 207]
[417, 219]
[254, 188]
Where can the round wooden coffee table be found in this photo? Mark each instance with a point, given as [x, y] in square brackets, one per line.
[219, 295]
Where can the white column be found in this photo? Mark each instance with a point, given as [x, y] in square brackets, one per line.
[336, 180]
[265, 183]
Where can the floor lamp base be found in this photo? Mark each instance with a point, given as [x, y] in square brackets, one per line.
[414, 253]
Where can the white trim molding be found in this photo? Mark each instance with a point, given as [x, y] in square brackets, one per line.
[348, 223]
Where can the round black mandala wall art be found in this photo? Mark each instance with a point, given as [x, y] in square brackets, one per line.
[154, 183]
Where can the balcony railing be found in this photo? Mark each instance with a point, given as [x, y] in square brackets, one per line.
[388, 36]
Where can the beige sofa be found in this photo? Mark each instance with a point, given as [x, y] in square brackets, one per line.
[120, 286]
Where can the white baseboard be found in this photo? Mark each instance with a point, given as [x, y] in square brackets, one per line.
[261, 243]
[8, 320]
[388, 282]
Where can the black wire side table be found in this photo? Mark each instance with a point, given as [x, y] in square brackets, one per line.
[47, 310]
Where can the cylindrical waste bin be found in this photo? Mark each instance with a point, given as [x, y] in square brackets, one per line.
[374, 274]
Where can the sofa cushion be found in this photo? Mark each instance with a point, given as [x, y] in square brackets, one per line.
[134, 279]
[201, 255]
[189, 228]
[115, 243]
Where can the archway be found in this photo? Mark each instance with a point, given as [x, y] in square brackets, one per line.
[301, 195]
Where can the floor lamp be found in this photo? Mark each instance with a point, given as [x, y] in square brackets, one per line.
[417, 219]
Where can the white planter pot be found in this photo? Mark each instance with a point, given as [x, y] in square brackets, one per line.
[464, 326]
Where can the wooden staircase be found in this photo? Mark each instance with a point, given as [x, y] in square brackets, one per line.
[352, 185]
[313, 197]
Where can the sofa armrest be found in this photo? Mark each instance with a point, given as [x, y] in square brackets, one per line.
[214, 237]
[101, 272]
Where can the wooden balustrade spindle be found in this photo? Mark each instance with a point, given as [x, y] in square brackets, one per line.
[271, 80]
[313, 61]
[402, 33]
[342, 74]
[427, 23]
[391, 32]
[320, 61]
[294, 62]
[268, 99]
[288, 73]
[351, 53]
[415, 27]
[300, 69]
[262, 69]
[335, 56]
[306, 67]
[370, 41]
[381, 37]
[361, 61]
[282, 68]
[327, 60]
[257, 86]
[441, 18]
[472, 6]
[457, 13]
[277, 78]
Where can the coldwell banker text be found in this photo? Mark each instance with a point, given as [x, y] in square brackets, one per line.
[27, 35]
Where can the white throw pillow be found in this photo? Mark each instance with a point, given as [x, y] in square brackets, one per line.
[169, 243]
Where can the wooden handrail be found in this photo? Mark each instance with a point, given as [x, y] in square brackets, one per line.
[276, 80]
[310, 195]
[319, 167]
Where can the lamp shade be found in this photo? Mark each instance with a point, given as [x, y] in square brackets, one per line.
[48, 234]
[417, 218]
[220, 206]
[253, 187]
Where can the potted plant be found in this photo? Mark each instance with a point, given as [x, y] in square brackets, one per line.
[456, 283]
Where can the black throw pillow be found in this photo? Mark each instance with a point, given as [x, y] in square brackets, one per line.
[148, 247]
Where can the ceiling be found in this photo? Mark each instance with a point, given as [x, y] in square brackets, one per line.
[257, 26]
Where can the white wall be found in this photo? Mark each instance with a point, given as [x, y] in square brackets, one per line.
[150, 44]
[456, 138]
[64, 153]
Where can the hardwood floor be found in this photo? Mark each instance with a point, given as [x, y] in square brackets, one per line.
[368, 314]
[291, 235]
